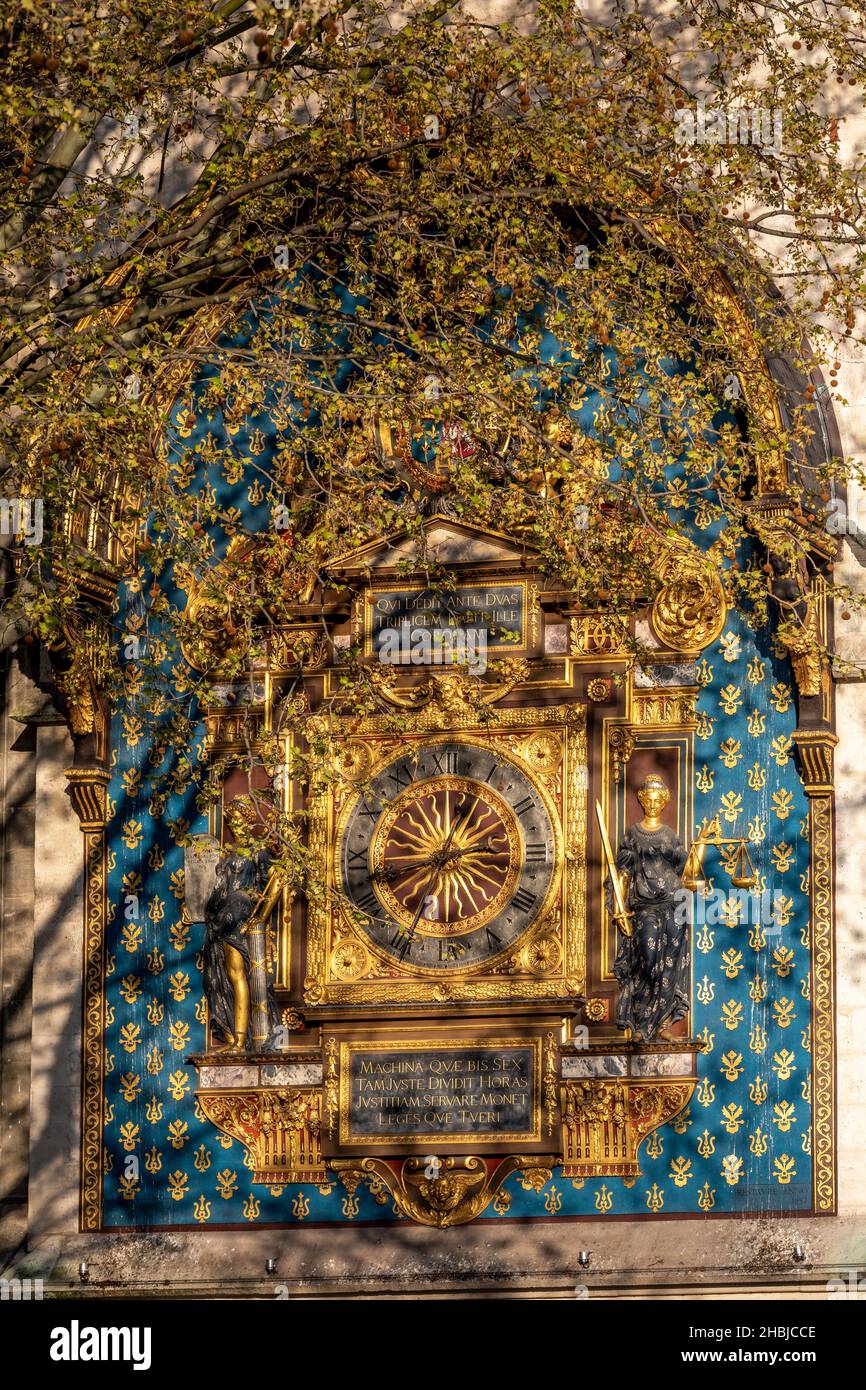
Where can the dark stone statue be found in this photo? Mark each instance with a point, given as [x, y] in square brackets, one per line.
[653, 959]
[242, 1008]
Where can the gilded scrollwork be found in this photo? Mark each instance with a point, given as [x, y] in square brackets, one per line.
[457, 1191]
[551, 1077]
[291, 648]
[448, 695]
[604, 1122]
[332, 1086]
[279, 1128]
[690, 608]
[620, 742]
[81, 669]
[802, 642]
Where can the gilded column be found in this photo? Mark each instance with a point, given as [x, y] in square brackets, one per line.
[88, 792]
[815, 758]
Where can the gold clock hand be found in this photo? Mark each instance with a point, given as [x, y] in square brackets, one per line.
[460, 811]
[391, 871]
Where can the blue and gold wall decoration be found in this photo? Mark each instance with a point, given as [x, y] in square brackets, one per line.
[744, 1145]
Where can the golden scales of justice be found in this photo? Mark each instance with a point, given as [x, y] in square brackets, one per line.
[741, 869]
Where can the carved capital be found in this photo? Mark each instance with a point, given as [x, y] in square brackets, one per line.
[815, 759]
[88, 787]
[656, 707]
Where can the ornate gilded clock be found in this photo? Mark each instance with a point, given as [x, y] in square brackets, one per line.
[449, 856]
[449, 863]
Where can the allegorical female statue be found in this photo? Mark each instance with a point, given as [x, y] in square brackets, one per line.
[653, 959]
[241, 1005]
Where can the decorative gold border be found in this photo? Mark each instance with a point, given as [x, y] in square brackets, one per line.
[815, 758]
[88, 791]
[823, 1003]
[400, 1139]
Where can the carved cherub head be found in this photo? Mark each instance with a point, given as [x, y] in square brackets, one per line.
[653, 796]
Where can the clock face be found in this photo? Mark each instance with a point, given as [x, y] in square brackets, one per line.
[449, 856]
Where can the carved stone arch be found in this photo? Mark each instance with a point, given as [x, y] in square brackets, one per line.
[760, 380]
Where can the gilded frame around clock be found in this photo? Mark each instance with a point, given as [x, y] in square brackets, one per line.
[548, 744]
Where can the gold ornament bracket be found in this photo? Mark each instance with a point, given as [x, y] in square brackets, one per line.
[625, 1093]
[279, 1127]
[447, 1193]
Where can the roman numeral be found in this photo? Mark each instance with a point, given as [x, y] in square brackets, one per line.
[356, 859]
[369, 903]
[450, 950]
[403, 942]
[523, 806]
[492, 939]
[537, 853]
[524, 900]
[446, 761]
[365, 810]
[402, 776]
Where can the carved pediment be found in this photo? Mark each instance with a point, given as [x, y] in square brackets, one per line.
[445, 541]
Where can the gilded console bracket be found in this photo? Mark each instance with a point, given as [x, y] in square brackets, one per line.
[604, 1123]
[279, 1128]
[461, 1188]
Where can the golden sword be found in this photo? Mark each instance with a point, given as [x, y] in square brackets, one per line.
[621, 915]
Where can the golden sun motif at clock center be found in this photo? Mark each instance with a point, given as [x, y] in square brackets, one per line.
[452, 845]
